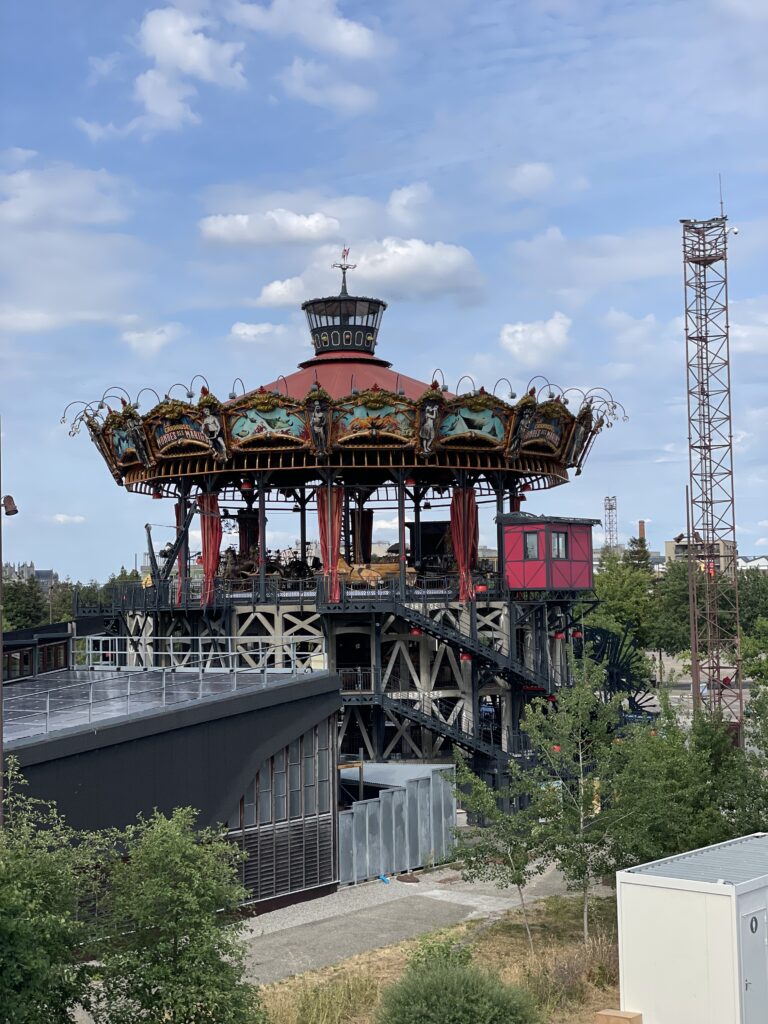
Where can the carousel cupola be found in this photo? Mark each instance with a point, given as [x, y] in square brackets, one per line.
[344, 322]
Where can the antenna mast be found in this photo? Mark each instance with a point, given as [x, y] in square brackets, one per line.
[712, 566]
[611, 524]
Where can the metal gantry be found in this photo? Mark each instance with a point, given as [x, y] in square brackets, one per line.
[712, 564]
[611, 524]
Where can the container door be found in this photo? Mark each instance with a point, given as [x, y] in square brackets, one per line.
[754, 967]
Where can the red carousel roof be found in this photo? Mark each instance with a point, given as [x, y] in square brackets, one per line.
[339, 372]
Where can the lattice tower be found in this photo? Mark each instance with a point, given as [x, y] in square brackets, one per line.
[611, 524]
[712, 567]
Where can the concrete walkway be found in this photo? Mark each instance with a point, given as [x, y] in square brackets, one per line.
[364, 917]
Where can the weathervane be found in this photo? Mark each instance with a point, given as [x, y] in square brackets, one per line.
[344, 266]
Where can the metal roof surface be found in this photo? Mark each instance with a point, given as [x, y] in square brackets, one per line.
[740, 860]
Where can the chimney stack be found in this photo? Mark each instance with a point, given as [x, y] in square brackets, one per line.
[641, 529]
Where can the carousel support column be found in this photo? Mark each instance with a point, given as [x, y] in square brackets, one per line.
[347, 537]
[302, 502]
[262, 542]
[377, 716]
[425, 691]
[401, 531]
[500, 568]
[417, 496]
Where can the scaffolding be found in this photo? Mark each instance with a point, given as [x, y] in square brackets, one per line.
[611, 524]
[712, 564]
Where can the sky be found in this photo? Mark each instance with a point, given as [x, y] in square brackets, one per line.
[509, 176]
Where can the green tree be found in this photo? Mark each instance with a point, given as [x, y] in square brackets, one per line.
[753, 598]
[668, 788]
[625, 595]
[502, 847]
[754, 653]
[571, 745]
[670, 629]
[638, 555]
[25, 604]
[43, 876]
[180, 958]
[60, 601]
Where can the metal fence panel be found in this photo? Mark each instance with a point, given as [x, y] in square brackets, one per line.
[405, 827]
[346, 847]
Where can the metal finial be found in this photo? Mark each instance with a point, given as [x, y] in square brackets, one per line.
[344, 266]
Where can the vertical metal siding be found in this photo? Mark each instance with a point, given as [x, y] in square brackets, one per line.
[402, 829]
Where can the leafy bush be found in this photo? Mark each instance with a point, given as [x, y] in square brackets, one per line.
[432, 951]
[443, 993]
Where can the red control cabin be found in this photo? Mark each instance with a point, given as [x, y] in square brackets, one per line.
[547, 552]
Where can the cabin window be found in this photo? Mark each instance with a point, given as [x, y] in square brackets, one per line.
[559, 544]
[531, 547]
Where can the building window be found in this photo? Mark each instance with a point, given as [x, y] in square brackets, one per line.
[294, 779]
[531, 547]
[265, 794]
[559, 544]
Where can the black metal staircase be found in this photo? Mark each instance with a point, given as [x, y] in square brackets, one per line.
[503, 664]
[435, 725]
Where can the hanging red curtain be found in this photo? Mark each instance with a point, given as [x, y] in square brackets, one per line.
[210, 527]
[464, 537]
[330, 500]
[181, 563]
[366, 534]
[362, 534]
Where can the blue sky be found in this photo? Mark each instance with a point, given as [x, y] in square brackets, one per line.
[509, 175]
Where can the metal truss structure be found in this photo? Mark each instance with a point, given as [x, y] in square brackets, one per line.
[611, 524]
[712, 567]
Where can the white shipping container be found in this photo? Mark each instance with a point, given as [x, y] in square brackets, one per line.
[693, 935]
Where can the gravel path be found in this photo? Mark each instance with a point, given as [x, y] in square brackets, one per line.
[358, 918]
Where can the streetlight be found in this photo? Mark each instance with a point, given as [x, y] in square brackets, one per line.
[9, 509]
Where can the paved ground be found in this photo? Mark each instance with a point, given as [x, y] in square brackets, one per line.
[359, 918]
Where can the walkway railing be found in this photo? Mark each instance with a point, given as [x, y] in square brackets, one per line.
[310, 591]
[278, 654]
[105, 694]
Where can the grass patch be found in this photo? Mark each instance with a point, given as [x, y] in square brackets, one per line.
[568, 980]
[344, 999]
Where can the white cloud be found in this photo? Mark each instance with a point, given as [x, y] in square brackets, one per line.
[16, 156]
[180, 48]
[164, 99]
[317, 23]
[384, 525]
[290, 292]
[749, 326]
[256, 332]
[406, 205]
[102, 67]
[750, 10]
[67, 520]
[269, 228]
[150, 341]
[33, 321]
[411, 268]
[531, 179]
[323, 86]
[762, 542]
[533, 343]
[578, 267]
[394, 267]
[61, 193]
[175, 41]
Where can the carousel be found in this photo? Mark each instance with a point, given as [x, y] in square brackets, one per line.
[433, 646]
